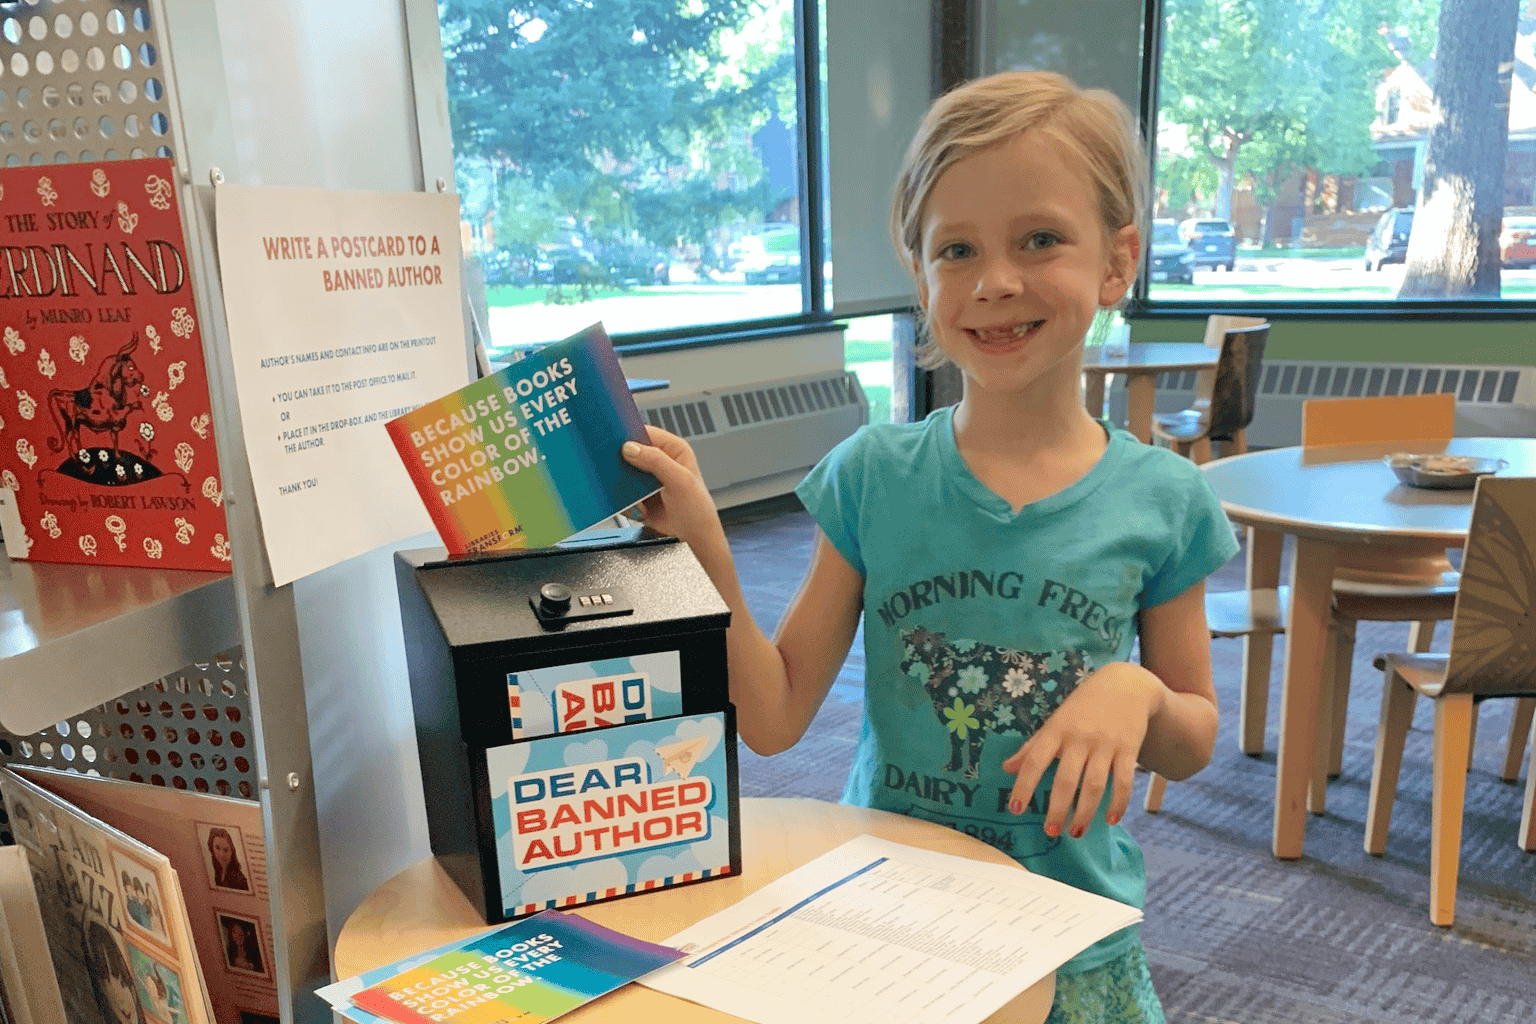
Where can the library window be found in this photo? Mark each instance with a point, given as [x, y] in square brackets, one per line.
[629, 161]
[1376, 155]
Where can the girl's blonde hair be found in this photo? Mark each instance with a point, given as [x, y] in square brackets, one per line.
[1091, 125]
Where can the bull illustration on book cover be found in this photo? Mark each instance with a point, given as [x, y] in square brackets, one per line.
[106, 438]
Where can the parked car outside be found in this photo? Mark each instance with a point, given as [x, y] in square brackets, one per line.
[1170, 259]
[1517, 242]
[1389, 238]
[768, 256]
[630, 263]
[507, 267]
[748, 242]
[569, 264]
[1213, 242]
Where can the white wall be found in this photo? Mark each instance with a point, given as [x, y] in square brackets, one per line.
[697, 370]
[1096, 43]
[319, 94]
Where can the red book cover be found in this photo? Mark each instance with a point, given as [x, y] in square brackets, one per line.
[106, 434]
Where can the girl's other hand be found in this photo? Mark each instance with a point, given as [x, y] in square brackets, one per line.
[1094, 738]
[683, 507]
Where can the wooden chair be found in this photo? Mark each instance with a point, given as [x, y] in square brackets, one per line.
[1258, 616]
[1216, 327]
[1223, 409]
[1492, 654]
[1222, 413]
[1429, 418]
[1335, 421]
[1420, 590]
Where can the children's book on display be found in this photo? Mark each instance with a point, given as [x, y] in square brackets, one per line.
[106, 430]
[153, 901]
[29, 993]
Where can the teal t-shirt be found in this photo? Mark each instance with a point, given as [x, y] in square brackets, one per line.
[979, 621]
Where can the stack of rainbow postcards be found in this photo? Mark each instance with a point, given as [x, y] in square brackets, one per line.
[532, 971]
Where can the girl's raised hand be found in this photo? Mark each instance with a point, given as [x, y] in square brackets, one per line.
[1094, 738]
[683, 507]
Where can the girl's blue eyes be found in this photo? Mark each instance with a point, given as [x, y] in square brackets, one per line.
[1032, 242]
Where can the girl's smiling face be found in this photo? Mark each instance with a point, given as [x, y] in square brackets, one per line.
[1015, 262]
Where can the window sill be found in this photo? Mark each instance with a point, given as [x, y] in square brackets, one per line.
[1462, 309]
[679, 339]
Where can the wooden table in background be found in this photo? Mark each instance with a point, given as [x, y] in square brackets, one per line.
[1345, 507]
[421, 908]
[1141, 365]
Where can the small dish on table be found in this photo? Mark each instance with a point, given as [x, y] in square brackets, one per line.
[1440, 471]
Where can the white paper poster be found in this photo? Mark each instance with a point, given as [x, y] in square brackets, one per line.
[344, 312]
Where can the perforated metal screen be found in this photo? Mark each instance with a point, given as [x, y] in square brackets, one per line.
[81, 81]
[190, 730]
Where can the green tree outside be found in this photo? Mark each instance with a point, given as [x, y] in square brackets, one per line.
[625, 119]
[1261, 88]
[1454, 248]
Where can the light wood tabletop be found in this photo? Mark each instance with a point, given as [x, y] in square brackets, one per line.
[421, 908]
[1141, 364]
[1344, 506]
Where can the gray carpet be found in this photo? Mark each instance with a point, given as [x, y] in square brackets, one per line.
[1232, 934]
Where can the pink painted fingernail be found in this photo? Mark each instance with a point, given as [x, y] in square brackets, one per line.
[1016, 806]
[1077, 833]
[1113, 819]
[1053, 830]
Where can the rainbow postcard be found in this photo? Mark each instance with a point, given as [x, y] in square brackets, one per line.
[530, 972]
[529, 455]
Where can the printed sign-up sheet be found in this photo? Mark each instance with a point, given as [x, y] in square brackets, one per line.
[875, 932]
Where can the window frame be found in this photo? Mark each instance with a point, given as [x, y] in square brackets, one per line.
[814, 316]
[1141, 307]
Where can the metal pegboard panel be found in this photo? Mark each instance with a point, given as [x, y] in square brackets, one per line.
[81, 80]
[189, 730]
[96, 80]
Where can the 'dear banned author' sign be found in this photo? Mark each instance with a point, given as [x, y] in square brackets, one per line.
[593, 815]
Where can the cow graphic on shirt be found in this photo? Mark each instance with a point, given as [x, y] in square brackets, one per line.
[978, 689]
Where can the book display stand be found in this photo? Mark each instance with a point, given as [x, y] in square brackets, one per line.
[187, 679]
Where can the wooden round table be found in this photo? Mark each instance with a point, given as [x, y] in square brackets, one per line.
[1342, 504]
[421, 908]
[1141, 364]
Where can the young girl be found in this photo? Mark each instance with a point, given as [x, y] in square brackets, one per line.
[1005, 552]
